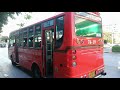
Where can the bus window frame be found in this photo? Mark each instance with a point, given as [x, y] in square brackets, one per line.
[12, 35]
[33, 29]
[17, 38]
[24, 30]
[36, 25]
[43, 23]
[100, 22]
[21, 33]
[55, 48]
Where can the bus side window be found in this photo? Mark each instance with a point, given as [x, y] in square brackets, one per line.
[25, 42]
[38, 36]
[20, 39]
[59, 31]
[25, 39]
[17, 39]
[11, 41]
[30, 37]
[13, 44]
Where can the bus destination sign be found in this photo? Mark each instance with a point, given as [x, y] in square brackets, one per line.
[90, 16]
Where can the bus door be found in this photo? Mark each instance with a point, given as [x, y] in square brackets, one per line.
[16, 49]
[48, 51]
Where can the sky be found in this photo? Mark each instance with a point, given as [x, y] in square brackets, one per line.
[107, 18]
[36, 17]
[110, 17]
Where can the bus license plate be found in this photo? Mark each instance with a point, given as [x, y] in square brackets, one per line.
[92, 74]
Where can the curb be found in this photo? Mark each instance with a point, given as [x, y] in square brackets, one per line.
[107, 51]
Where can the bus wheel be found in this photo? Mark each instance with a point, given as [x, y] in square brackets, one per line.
[36, 72]
[13, 63]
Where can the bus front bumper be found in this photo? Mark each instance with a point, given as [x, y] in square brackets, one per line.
[102, 74]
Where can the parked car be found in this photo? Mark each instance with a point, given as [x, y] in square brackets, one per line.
[2, 45]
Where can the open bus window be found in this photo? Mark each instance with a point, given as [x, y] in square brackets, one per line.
[31, 33]
[11, 41]
[38, 30]
[59, 31]
[25, 42]
[37, 42]
[38, 36]
[30, 39]
[20, 39]
[25, 38]
[20, 42]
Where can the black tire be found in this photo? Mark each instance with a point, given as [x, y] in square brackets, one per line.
[36, 72]
[13, 63]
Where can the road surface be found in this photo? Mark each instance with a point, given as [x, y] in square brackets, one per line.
[6, 68]
[111, 61]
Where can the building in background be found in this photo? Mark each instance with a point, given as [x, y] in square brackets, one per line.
[112, 33]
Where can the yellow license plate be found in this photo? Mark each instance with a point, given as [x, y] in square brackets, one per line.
[92, 74]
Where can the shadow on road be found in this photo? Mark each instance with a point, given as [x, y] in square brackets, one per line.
[24, 70]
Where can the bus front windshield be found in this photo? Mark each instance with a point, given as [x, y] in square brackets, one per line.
[87, 28]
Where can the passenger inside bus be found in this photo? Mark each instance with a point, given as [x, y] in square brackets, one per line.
[31, 42]
[25, 42]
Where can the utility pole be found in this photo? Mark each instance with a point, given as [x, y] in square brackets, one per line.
[113, 31]
[112, 37]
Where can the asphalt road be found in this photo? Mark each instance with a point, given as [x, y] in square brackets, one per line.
[111, 61]
[6, 68]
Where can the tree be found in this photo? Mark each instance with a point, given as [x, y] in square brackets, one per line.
[105, 41]
[4, 38]
[4, 18]
[21, 25]
[26, 17]
[108, 37]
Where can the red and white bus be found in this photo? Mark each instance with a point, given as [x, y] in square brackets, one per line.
[67, 45]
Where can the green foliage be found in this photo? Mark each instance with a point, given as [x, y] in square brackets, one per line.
[108, 37]
[4, 18]
[26, 17]
[21, 25]
[4, 38]
[105, 41]
[116, 48]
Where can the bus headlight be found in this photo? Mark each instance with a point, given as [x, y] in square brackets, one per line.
[74, 64]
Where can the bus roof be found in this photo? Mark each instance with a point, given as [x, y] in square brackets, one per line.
[59, 14]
